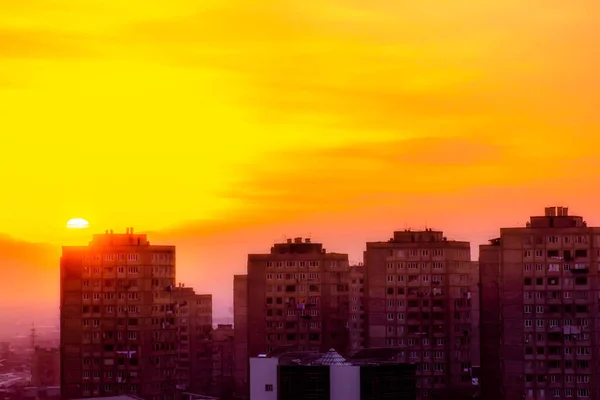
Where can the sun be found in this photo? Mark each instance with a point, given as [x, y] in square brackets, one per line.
[77, 223]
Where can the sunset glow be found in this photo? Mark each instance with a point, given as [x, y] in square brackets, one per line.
[221, 126]
[77, 223]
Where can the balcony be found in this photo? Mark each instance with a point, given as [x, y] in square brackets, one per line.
[580, 268]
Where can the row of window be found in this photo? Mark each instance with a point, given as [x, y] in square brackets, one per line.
[555, 281]
[286, 325]
[556, 267]
[567, 308]
[315, 276]
[292, 264]
[167, 257]
[402, 253]
[423, 278]
[555, 323]
[580, 239]
[111, 309]
[87, 388]
[124, 284]
[582, 295]
[111, 296]
[555, 350]
[556, 254]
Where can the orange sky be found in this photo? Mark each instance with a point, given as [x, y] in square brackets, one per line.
[205, 120]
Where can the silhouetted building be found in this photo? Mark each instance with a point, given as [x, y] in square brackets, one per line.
[298, 294]
[194, 324]
[223, 366]
[118, 325]
[45, 367]
[419, 298]
[539, 310]
[298, 375]
[356, 312]
[240, 334]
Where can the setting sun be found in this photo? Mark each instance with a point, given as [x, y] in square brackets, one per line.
[77, 223]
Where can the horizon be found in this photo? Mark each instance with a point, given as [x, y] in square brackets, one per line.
[190, 253]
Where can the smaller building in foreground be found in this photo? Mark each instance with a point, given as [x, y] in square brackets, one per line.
[370, 374]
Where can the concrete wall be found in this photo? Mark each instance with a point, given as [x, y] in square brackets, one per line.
[263, 372]
[344, 382]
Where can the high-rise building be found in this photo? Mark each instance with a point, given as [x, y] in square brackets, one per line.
[356, 313]
[194, 324]
[295, 296]
[223, 361]
[45, 367]
[118, 330]
[418, 296]
[240, 334]
[539, 310]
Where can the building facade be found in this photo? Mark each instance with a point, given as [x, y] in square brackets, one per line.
[356, 314]
[539, 317]
[240, 334]
[297, 296]
[418, 296]
[223, 365]
[118, 330]
[45, 367]
[194, 325]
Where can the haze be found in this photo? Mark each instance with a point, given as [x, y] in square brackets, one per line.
[223, 126]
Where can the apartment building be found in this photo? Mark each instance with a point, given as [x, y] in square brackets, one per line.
[539, 316]
[194, 324]
[223, 361]
[240, 334]
[297, 296]
[356, 314]
[118, 333]
[45, 367]
[418, 297]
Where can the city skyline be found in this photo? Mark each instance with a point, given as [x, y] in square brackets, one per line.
[336, 120]
[193, 252]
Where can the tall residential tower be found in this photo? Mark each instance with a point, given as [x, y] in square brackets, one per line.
[540, 336]
[118, 328]
[418, 296]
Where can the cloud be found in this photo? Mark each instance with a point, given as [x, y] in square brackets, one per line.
[18, 43]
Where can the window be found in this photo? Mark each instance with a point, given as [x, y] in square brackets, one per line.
[527, 254]
[527, 309]
[528, 323]
[390, 317]
[527, 267]
[539, 253]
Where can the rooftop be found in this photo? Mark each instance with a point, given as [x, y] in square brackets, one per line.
[289, 355]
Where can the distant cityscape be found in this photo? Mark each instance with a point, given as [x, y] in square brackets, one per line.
[416, 319]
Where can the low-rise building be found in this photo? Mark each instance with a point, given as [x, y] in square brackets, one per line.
[371, 374]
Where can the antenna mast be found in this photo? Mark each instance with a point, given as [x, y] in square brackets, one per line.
[33, 335]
